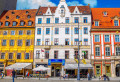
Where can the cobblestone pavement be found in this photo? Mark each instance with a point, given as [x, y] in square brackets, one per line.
[9, 79]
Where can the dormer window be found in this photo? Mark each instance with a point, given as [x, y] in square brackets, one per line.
[96, 23]
[115, 22]
[29, 16]
[48, 12]
[27, 12]
[76, 12]
[14, 23]
[17, 17]
[62, 11]
[21, 23]
[6, 23]
[105, 13]
[29, 23]
[13, 12]
[7, 17]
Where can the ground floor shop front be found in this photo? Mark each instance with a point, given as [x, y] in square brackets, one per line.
[109, 68]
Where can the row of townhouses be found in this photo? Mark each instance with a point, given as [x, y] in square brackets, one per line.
[48, 36]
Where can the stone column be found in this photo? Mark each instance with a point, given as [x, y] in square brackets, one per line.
[113, 69]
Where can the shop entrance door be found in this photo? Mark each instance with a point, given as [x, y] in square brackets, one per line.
[108, 71]
[118, 70]
[98, 70]
[56, 70]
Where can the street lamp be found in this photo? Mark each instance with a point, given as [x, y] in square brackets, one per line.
[78, 74]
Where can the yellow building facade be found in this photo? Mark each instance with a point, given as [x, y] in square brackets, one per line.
[17, 29]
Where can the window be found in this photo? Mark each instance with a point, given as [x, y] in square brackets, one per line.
[11, 42]
[107, 51]
[67, 30]
[28, 32]
[56, 20]
[76, 42]
[48, 21]
[27, 56]
[106, 38]
[62, 11]
[76, 19]
[38, 42]
[96, 23]
[39, 31]
[67, 20]
[86, 55]
[47, 30]
[85, 30]
[105, 13]
[6, 23]
[66, 41]
[85, 20]
[29, 23]
[27, 42]
[21, 23]
[85, 41]
[117, 39]
[97, 38]
[97, 51]
[4, 43]
[10, 55]
[37, 54]
[76, 30]
[17, 17]
[46, 54]
[115, 22]
[117, 51]
[56, 30]
[14, 23]
[2, 55]
[76, 55]
[0, 23]
[46, 41]
[18, 55]
[66, 54]
[56, 41]
[12, 32]
[29, 16]
[55, 54]
[4, 32]
[39, 20]
[19, 42]
[20, 32]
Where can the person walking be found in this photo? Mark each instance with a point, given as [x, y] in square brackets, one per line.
[88, 75]
[104, 77]
[13, 74]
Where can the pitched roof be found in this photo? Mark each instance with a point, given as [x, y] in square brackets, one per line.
[83, 9]
[105, 21]
[23, 16]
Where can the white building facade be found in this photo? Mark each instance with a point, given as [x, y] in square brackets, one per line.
[56, 37]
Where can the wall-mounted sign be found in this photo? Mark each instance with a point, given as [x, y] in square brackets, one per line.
[62, 61]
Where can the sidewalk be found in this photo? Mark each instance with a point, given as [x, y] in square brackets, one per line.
[57, 78]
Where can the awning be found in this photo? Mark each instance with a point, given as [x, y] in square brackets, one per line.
[75, 66]
[20, 66]
[41, 68]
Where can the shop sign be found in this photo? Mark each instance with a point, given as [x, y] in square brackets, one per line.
[56, 61]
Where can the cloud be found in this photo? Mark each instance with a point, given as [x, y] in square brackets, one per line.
[74, 3]
[93, 3]
[33, 4]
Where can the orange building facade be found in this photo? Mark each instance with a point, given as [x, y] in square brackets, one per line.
[105, 41]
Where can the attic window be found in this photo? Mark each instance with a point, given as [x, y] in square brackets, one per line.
[29, 16]
[7, 17]
[27, 12]
[22, 23]
[105, 13]
[17, 17]
[76, 11]
[13, 12]
[62, 6]
[48, 12]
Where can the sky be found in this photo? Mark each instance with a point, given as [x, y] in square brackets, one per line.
[34, 4]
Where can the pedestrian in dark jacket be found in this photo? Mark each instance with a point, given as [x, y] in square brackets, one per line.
[13, 74]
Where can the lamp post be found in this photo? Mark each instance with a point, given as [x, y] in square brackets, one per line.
[78, 74]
